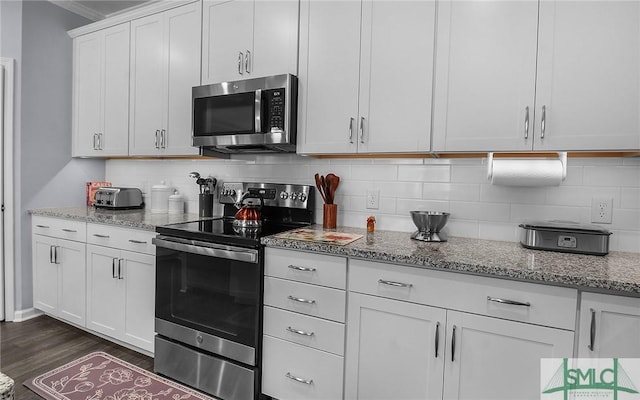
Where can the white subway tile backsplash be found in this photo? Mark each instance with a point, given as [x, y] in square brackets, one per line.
[459, 186]
[424, 173]
[630, 198]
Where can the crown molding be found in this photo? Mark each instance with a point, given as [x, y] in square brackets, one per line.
[79, 9]
[128, 15]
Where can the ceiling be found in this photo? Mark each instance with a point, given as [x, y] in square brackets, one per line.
[96, 10]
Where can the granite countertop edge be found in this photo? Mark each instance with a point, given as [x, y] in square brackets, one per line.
[136, 219]
[576, 281]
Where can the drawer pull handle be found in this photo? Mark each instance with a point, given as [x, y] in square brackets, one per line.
[592, 333]
[69, 230]
[295, 378]
[396, 284]
[453, 344]
[299, 332]
[137, 241]
[298, 268]
[101, 236]
[510, 302]
[299, 300]
[43, 226]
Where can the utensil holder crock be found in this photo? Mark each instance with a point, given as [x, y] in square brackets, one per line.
[329, 216]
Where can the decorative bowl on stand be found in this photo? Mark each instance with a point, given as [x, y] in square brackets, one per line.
[429, 224]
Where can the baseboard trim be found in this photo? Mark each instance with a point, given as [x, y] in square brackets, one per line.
[24, 315]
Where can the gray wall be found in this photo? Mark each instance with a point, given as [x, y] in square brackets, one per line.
[45, 174]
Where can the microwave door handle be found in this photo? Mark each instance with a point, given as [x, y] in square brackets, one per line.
[258, 111]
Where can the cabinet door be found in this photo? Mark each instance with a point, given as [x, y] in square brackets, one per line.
[87, 92]
[45, 275]
[485, 75]
[228, 35]
[275, 46]
[490, 358]
[329, 75]
[138, 272]
[589, 75]
[183, 37]
[72, 282]
[612, 324]
[148, 85]
[396, 76]
[114, 140]
[105, 291]
[395, 349]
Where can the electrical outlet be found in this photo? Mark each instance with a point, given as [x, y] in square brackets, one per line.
[601, 210]
[373, 199]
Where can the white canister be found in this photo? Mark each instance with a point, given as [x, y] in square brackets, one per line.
[176, 203]
[160, 198]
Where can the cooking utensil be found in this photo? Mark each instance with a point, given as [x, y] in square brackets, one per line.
[320, 187]
[332, 182]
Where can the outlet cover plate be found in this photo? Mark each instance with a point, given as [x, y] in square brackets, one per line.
[373, 199]
[601, 210]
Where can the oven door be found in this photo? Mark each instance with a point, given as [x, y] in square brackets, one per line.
[209, 296]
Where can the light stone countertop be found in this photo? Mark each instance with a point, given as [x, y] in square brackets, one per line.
[137, 219]
[617, 272]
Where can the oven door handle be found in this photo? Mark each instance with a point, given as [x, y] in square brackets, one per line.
[207, 249]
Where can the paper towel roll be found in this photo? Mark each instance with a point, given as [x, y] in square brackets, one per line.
[526, 172]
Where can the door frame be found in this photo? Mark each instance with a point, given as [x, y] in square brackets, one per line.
[8, 217]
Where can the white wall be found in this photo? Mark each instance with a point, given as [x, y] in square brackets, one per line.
[35, 34]
[459, 186]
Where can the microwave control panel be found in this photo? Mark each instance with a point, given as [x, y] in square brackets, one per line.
[276, 109]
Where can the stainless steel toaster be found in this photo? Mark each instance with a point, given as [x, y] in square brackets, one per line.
[117, 198]
[569, 237]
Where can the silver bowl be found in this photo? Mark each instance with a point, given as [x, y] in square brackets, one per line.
[429, 221]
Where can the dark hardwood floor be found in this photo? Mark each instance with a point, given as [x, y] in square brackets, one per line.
[30, 348]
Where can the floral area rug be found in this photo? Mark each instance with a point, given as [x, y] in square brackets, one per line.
[100, 376]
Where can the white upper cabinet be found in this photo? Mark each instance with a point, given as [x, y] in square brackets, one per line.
[245, 39]
[352, 54]
[101, 93]
[165, 65]
[510, 78]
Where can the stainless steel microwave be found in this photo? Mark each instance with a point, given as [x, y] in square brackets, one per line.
[247, 116]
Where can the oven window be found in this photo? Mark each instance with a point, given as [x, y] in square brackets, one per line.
[224, 115]
[213, 295]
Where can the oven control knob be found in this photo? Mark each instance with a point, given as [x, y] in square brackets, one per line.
[284, 195]
[294, 195]
[232, 192]
[302, 196]
[199, 339]
[225, 192]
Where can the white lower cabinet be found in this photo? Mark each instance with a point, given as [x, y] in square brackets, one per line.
[401, 347]
[609, 326]
[58, 252]
[304, 316]
[120, 300]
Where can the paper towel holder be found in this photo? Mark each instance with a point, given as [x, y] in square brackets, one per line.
[562, 156]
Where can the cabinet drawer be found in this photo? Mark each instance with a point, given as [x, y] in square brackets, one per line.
[283, 362]
[313, 268]
[314, 332]
[307, 299]
[59, 227]
[121, 238]
[548, 305]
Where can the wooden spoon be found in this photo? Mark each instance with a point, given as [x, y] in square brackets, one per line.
[332, 182]
[320, 186]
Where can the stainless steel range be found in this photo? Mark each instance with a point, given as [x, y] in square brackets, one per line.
[209, 288]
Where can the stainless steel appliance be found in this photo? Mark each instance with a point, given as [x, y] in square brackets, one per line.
[209, 288]
[569, 237]
[248, 116]
[117, 198]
